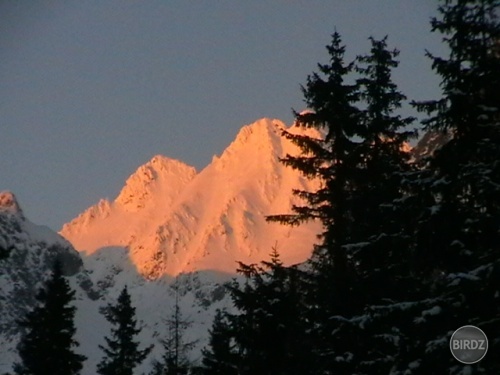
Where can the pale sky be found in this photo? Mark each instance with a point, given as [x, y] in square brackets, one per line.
[90, 90]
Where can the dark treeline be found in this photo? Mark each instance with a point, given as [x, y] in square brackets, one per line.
[48, 346]
[409, 250]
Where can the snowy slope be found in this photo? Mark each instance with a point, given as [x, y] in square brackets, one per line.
[32, 251]
[170, 219]
[168, 223]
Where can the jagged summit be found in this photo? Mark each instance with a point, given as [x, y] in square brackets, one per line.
[9, 204]
[260, 131]
[150, 189]
[171, 219]
[254, 152]
[163, 165]
[157, 174]
[260, 135]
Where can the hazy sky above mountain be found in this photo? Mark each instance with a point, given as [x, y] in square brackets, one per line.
[90, 90]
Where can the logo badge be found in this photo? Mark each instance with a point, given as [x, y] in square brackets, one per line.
[468, 344]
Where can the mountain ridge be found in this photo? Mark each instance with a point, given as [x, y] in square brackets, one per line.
[220, 217]
[33, 249]
[183, 221]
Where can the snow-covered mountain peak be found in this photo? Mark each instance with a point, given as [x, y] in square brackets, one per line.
[165, 164]
[89, 216]
[259, 136]
[258, 131]
[259, 146]
[9, 204]
[158, 177]
[170, 219]
[150, 190]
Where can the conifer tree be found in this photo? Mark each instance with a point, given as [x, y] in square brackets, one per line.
[270, 331]
[382, 161]
[332, 110]
[362, 165]
[47, 346]
[121, 352]
[175, 359]
[462, 173]
[332, 101]
[219, 358]
[457, 232]
[379, 240]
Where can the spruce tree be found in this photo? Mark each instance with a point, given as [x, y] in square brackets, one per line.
[379, 243]
[332, 100]
[363, 258]
[47, 346]
[382, 166]
[121, 352]
[270, 329]
[219, 358]
[457, 234]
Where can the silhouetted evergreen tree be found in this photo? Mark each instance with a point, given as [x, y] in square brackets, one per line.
[121, 352]
[175, 359]
[270, 329]
[220, 358]
[457, 234]
[332, 111]
[268, 334]
[364, 257]
[332, 101]
[47, 346]
[407, 255]
[382, 165]
[380, 246]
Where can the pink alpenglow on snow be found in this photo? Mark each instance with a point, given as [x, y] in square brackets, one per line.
[170, 219]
